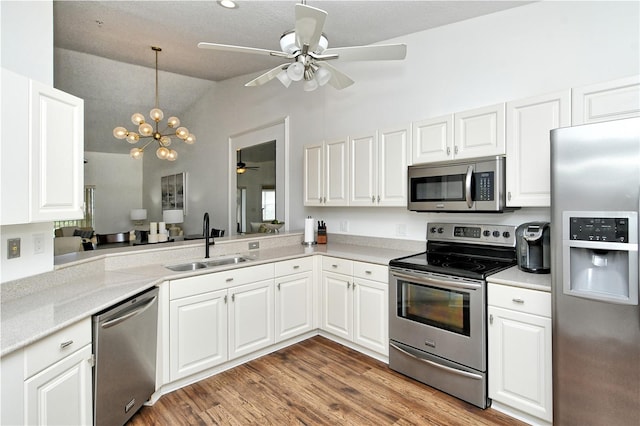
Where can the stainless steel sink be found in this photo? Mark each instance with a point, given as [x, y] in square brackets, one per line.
[225, 261]
[192, 266]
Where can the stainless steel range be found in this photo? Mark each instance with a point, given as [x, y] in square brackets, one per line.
[437, 307]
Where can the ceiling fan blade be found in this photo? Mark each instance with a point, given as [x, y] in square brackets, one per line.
[267, 76]
[309, 25]
[238, 49]
[339, 80]
[375, 52]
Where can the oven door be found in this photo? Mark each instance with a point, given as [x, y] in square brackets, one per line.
[440, 315]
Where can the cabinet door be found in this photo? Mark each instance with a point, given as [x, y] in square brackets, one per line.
[392, 167]
[197, 333]
[313, 175]
[57, 143]
[294, 305]
[611, 100]
[529, 122]
[337, 315]
[479, 132]
[432, 139]
[363, 173]
[370, 311]
[250, 318]
[61, 394]
[336, 176]
[520, 361]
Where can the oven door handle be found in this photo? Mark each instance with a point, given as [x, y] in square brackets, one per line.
[467, 187]
[440, 366]
[439, 282]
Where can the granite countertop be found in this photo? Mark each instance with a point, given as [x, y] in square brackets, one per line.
[518, 278]
[30, 317]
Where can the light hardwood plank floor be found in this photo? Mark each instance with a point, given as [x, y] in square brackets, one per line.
[315, 382]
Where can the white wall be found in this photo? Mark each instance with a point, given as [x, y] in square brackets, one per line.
[118, 182]
[521, 52]
[26, 47]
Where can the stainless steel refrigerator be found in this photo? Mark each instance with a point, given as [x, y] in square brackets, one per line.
[595, 198]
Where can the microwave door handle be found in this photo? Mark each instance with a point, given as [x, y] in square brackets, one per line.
[467, 187]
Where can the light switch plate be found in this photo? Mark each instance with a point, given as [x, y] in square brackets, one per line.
[13, 248]
[254, 245]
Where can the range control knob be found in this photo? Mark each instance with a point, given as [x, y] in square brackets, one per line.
[432, 230]
[496, 234]
[440, 230]
[506, 234]
[486, 233]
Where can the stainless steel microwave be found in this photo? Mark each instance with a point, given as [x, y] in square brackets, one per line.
[474, 185]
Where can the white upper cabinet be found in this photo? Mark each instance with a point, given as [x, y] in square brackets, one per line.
[363, 170]
[393, 156]
[475, 133]
[42, 165]
[479, 132]
[433, 139]
[326, 177]
[611, 100]
[529, 122]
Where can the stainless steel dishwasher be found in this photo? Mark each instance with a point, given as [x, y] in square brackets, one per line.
[124, 344]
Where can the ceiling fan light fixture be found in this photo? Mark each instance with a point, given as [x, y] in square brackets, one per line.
[284, 78]
[295, 71]
[310, 85]
[323, 76]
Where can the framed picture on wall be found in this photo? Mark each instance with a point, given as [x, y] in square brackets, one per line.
[174, 189]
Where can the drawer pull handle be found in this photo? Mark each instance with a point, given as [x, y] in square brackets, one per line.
[229, 280]
[334, 266]
[296, 266]
[367, 272]
[519, 301]
[65, 344]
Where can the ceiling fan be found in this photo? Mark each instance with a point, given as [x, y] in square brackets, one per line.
[308, 57]
[242, 167]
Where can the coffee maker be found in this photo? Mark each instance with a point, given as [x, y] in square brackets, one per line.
[533, 247]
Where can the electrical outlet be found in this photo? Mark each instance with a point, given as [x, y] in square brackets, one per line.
[401, 230]
[38, 243]
[13, 248]
[254, 245]
[344, 226]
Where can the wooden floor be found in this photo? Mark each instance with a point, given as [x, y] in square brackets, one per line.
[315, 382]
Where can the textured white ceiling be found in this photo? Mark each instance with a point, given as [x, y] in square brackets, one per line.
[108, 33]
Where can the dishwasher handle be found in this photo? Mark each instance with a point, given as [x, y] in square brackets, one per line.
[118, 320]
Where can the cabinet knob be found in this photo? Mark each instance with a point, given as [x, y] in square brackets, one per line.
[348, 284]
[278, 286]
[233, 297]
[448, 151]
[378, 198]
[509, 195]
[373, 198]
[490, 318]
[225, 298]
[455, 149]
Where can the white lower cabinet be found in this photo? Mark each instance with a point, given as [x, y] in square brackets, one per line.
[219, 316]
[61, 394]
[519, 337]
[50, 381]
[293, 298]
[250, 318]
[354, 302]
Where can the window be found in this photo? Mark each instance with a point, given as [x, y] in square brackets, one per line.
[268, 203]
[89, 205]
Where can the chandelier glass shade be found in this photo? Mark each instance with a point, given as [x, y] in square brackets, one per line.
[146, 130]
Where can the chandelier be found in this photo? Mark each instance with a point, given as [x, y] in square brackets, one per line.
[146, 130]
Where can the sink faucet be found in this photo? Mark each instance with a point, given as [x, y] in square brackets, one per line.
[205, 231]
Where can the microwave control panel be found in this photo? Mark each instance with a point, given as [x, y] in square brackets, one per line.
[604, 229]
[484, 186]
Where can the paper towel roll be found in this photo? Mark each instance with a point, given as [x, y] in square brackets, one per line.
[308, 230]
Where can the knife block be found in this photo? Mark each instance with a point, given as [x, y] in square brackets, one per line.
[322, 235]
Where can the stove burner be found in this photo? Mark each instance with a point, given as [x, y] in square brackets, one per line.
[467, 266]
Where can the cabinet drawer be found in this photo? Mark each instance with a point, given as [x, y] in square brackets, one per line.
[370, 271]
[340, 266]
[55, 347]
[294, 266]
[218, 280]
[520, 299]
